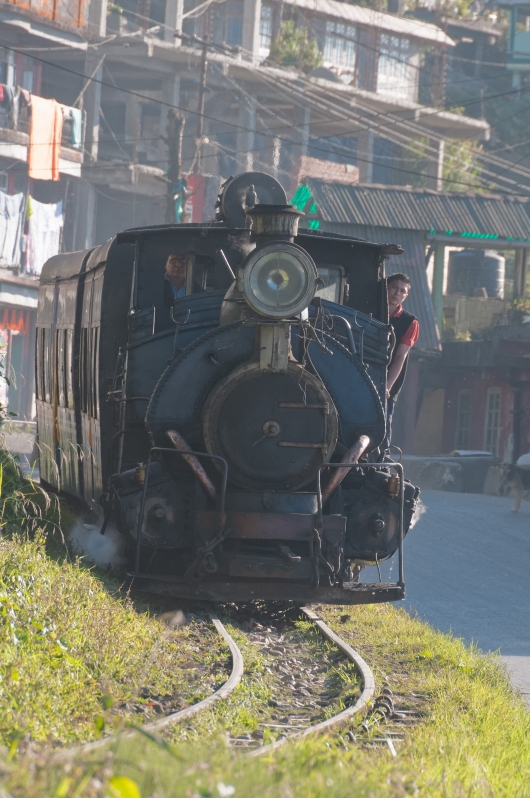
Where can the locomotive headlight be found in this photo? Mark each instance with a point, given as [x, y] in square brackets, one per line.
[279, 279]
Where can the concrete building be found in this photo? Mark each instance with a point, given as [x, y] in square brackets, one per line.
[361, 107]
[483, 390]
[38, 217]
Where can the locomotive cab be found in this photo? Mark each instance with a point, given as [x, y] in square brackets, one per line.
[237, 408]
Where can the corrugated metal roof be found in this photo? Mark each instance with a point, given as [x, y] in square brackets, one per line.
[412, 262]
[362, 15]
[473, 215]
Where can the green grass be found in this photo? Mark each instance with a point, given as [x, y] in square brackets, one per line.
[75, 654]
[474, 740]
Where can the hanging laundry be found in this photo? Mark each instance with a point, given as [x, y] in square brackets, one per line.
[8, 94]
[45, 225]
[11, 226]
[9, 105]
[15, 104]
[26, 96]
[76, 116]
[1, 93]
[45, 133]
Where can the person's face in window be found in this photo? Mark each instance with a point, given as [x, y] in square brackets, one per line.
[176, 269]
[398, 291]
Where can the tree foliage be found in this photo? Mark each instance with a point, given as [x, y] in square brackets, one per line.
[293, 47]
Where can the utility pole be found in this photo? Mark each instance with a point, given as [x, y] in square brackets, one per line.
[176, 185]
[200, 109]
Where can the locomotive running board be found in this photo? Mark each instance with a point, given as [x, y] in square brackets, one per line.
[351, 593]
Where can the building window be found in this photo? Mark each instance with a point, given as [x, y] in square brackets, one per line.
[493, 421]
[7, 59]
[150, 123]
[339, 45]
[234, 23]
[265, 30]
[463, 420]
[382, 161]
[394, 74]
[26, 74]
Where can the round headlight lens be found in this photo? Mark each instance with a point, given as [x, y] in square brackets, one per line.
[279, 279]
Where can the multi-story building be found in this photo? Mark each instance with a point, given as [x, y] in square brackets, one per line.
[40, 202]
[360, 104]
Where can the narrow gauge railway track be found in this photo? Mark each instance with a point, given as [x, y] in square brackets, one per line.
[367, 691]
[174, 717]
[293, 731]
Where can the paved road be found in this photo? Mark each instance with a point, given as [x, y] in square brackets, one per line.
[467, 570]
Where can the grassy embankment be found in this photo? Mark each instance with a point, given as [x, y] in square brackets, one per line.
[75, 654]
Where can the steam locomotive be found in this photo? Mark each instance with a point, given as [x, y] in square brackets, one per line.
[229, 429]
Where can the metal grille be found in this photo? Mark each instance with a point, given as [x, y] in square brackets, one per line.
[493, 413]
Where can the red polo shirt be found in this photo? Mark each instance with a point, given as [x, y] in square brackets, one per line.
[411, 336]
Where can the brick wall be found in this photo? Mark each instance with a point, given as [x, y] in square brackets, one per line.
[328, 170]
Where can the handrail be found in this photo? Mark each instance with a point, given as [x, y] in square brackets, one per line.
[222, 498]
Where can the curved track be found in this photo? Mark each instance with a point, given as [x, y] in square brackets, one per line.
[174, 717]
[367, 693]
[232, 682]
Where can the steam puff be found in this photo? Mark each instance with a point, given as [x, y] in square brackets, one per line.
[106, 550]
[419, 511]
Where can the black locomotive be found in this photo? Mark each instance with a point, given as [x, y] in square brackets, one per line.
[230, 429]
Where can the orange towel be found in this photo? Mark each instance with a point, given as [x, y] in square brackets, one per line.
[45, 133]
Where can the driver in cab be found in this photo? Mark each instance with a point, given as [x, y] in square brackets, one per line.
[175, 279]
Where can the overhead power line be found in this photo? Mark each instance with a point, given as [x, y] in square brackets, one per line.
[149, 99]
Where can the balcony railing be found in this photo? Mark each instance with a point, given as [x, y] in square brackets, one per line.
[73, 14]
[18, 119]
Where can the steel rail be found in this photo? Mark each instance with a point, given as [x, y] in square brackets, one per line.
[325, 725]
[174, 717]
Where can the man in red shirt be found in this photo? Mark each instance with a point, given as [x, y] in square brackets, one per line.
[407, 330]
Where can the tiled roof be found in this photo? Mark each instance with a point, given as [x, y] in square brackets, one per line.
[471, 215]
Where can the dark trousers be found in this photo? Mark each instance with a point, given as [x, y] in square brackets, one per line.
[385, 446]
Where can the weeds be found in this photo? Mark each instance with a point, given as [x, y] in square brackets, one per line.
[24, 505]
[75, 655]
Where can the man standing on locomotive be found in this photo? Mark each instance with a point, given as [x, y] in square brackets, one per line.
[407, 330]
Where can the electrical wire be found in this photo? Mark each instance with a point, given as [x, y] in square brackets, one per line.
[358, 158]
[418, 131]
[172, 105]
[290, 125]
[403, 141]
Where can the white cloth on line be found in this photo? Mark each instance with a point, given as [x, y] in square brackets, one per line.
[11, 228]
[45, 226]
